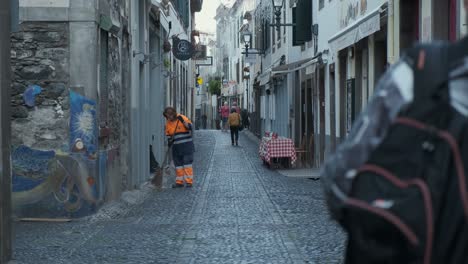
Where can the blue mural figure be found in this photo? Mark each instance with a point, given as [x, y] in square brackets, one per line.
[39, 174]
[58, 182]
[30, 167]
[83, 125]
[30, 93]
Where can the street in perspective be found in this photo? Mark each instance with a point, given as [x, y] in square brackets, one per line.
[233, 131]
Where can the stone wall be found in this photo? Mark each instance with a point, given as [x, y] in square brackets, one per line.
[115, 92]
[40, 56]
[113, 189]
[70, 139]
[54, 128]
[125, 100]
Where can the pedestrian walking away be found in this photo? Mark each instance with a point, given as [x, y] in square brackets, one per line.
[234, 122]
[224, 115]
[204, 121]
[179, 132]
[245, 118]
[234, 105]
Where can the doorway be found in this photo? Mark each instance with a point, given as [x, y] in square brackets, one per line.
[380, 55]
[321, 87]
[301, 113]
[309, 101]
[332, 145]
[155, 93]
[296, 114]
[342, 94]
[409, 23]
[445, 19]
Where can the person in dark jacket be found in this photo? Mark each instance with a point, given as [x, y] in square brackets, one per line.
[245, 118]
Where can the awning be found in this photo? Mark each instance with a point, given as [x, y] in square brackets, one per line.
[290, 66]
[361, 28]
[265, 77]
[294, 66]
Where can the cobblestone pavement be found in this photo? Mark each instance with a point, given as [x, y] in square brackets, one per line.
[238, 212]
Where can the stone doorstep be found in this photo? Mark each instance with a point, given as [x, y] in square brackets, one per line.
[301, 173]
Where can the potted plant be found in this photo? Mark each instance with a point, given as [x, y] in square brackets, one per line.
[167, 46]
[167, 64]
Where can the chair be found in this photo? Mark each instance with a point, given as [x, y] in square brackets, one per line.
[301, 151]
[311, 148]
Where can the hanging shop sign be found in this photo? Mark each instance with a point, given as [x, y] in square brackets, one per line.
[182, 49]
[199, 52]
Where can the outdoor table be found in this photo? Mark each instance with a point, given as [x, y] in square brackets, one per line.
[276, 148]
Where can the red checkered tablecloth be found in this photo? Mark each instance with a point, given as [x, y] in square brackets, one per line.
[280, 147]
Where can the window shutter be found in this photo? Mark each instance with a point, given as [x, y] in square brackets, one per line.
[302, 32]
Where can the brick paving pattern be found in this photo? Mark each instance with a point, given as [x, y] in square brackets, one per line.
[238, 212]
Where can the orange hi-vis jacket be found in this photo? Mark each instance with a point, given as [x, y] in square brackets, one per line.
[182, 136]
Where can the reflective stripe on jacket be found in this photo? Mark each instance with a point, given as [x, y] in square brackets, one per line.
[183, 142]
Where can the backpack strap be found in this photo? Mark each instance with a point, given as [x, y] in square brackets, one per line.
[432, 64]
[458, 51]
[431, 70]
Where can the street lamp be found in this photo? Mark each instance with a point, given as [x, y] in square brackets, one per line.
[247, 39]
[277, 6]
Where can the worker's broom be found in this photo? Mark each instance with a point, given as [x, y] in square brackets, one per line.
[164, 172]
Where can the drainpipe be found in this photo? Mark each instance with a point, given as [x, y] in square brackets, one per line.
[5, 166]
[391, 32]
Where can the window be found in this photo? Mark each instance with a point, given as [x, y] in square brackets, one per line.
[238, 33]
[237, 72]
[182, 7]
[272, 109]
[273, 39]
[226, 68]
[234, 37]
[258, 33]
[302, 32]
[278, 37]
[266, 35]
[263, 107]
[321, 4]
[284, 28]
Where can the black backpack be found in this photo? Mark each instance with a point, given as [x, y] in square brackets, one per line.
[398, 186]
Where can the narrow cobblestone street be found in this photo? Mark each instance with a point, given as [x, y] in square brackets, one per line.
[238, 212]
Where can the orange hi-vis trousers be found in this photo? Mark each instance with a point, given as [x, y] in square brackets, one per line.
[184, 169]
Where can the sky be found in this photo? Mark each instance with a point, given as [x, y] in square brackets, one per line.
[205, 19]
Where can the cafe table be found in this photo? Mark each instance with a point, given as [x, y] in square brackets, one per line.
[272, 150]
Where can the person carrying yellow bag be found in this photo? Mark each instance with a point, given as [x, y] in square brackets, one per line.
[234, 122]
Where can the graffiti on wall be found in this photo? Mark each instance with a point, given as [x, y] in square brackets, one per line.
[29, 95]
[83, 126]
[64, 182]
[351, 10]
[40, 175]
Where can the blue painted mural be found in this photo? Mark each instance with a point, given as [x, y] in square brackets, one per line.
[29, 95]
[83, 125]
[58, 182]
